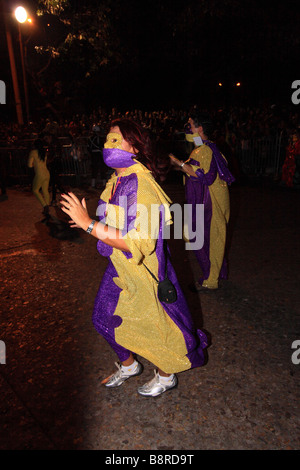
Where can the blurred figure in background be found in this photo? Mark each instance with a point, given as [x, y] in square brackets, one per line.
[95, 145]
[291, 166]
[38, 160]
[206, 182]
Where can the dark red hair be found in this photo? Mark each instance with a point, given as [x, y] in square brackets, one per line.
[138, 137]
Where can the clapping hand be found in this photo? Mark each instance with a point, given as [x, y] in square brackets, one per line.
[76, 210]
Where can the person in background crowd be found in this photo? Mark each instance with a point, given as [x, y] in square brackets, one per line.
[38, 160]
[206, 182]
[128, 312]
[291, 166]
[95, 145]
[296, 142]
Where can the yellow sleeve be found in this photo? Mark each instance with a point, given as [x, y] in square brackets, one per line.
[203, 155]
[139, 247]
[141, 239]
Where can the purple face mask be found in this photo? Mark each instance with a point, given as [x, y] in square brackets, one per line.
[117, 158]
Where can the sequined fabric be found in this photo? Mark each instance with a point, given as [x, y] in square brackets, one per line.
[210, 189]
[127, 311]
[117, 158]
[220, 162]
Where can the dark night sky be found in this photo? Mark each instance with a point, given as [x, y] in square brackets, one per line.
[255, 43]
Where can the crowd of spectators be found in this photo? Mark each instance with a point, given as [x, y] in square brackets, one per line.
[235, 124]
[235, 131]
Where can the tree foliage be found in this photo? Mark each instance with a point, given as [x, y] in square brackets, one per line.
[76, 42]
[151, 49]
[89, 37]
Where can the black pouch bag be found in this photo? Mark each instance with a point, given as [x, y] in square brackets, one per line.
[166, 290]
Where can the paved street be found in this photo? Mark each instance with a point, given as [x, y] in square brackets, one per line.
[246, 396]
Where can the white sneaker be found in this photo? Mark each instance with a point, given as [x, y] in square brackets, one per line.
[119, 377]
[155, 387]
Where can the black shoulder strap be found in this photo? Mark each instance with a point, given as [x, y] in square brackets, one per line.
[166, 262]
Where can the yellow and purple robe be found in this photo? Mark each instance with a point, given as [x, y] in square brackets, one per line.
[127, 311]
[210, 188]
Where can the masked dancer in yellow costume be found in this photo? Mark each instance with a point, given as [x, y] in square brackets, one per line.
[206, 182]
[133, 211]
[38, 160]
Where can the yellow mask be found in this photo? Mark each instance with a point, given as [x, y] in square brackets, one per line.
[190, 137]
[113, 141]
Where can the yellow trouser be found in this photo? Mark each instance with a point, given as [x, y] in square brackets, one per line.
[41, 182]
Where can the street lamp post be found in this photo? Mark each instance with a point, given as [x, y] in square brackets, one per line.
[12, 66]
[21, 16]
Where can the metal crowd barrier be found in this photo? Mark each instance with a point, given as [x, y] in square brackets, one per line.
[14, 165]
[75, 163]
[256, 157]
[262, 156]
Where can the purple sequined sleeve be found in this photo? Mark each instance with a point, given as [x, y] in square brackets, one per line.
[209, 177]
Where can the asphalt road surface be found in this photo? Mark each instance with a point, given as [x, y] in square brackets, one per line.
[245, 397]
